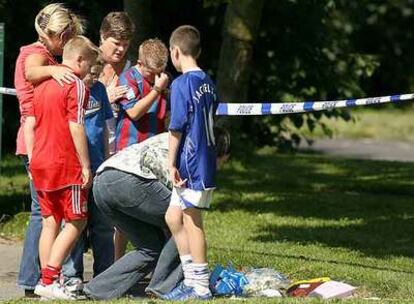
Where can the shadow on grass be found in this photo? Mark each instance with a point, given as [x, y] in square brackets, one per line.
[11, 204]
[11, 166]
[379, 238]
[308, 259]
[376, 194]
[14, 188]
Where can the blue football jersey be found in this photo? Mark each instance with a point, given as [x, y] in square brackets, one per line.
[193, 104]
[97, 112]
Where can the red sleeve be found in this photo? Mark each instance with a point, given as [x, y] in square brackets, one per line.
[77, 100]
[27, 109]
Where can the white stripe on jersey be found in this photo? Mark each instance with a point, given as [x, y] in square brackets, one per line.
[80, 92]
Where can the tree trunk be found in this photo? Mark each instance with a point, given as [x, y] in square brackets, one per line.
[241, 25]
[141, 14]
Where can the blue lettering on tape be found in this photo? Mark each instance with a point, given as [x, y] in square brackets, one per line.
[244, 109]
[373, 100]
[328, 105]
[287, 108]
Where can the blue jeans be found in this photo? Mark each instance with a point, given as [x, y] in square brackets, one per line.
[100, 234]
[29, 273]
[137, 207]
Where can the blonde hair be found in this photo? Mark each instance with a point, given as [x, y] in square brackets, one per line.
[154, 54]
[55, 19]
[80, 46]
[187, 39]
[117, 25]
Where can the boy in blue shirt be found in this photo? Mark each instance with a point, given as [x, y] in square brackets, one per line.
[100, 232]
[191, 161]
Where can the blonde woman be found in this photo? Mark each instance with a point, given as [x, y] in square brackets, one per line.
[55, 25]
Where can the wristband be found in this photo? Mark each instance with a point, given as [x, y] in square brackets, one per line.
[157, 89]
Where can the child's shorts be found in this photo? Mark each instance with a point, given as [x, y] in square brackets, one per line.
[188, 198]
[70, 203]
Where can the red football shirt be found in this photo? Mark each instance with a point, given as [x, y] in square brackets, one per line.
[24, 88]
[55, 164]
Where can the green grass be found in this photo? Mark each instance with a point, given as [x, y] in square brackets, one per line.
[309, 216]
[14, 196]
[374, 123]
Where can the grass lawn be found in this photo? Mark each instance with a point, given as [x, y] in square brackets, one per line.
[304, 215]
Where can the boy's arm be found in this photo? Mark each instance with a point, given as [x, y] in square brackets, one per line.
[81, 145]
[76, 100]
[141, 107]
[37, 70]
[173, 144]
[178, 122]
[28, 131]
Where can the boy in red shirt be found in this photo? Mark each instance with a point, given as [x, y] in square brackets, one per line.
[60, 164]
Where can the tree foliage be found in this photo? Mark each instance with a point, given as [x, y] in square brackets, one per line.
[304, 50]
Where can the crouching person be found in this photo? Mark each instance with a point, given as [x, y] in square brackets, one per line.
[134, 190]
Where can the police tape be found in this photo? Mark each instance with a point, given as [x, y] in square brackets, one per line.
[245, 109]
[7, 91]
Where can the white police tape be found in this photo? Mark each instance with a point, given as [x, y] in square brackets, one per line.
[8, 91]
[244, 109]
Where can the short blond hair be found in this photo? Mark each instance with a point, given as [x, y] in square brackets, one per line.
[187, 39]
[55, 19]
[154, 54]
[117, 25]
[80, 46]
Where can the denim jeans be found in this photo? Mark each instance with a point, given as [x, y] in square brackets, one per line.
[100, 234]
[137, 207]
[29, 273]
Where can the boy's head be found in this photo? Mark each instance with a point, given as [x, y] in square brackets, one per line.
[116, 33]
[222, 138]
[184, 42]
[96, 69]
[80, 54]
[152, 58]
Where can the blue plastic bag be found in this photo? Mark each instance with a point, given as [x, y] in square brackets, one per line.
[227, 281]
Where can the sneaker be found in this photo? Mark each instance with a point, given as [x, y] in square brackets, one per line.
[29, 294]
[54, 291]
[73, 285]
[178, 290]
[183, 293]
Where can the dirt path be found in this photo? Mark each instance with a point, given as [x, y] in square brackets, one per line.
[364, 149]
[10, 254]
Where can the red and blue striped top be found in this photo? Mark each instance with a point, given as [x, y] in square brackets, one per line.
[128, 131]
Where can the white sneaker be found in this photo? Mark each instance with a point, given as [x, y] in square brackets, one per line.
[74, 285]
[54, 291]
